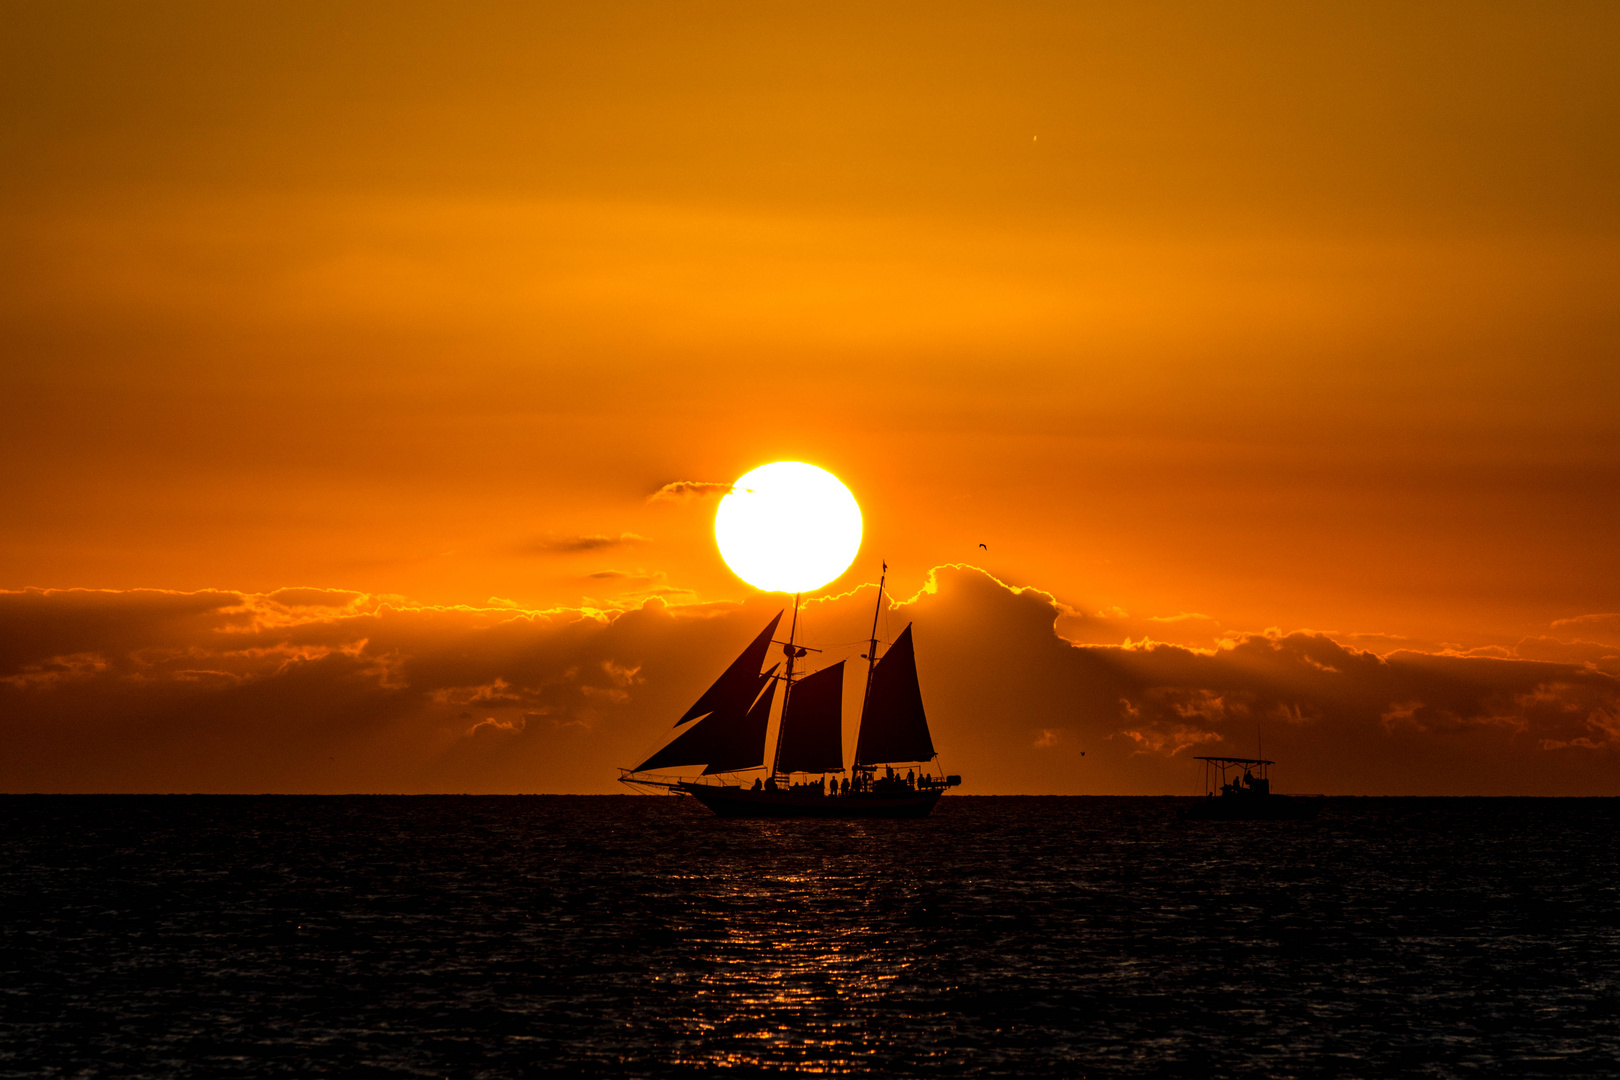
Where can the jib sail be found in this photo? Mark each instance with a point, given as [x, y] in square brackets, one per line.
[739, 682]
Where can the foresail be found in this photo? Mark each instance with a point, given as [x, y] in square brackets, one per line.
[695, 746]
[727, 739]
[893, 726]
[744, 748]
[738, 685]
[812, 737]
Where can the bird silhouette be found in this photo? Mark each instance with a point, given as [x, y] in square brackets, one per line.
[985, 548]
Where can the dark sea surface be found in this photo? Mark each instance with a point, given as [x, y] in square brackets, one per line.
[1066, 937]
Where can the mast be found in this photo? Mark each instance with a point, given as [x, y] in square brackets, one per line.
[871, 651]
[787, 683]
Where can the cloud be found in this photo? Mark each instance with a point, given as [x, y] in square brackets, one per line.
[220, 691]
[315, 598]
[1594, 654]
[680, 490]
[574, 545]
[491, 726]
[1603, 627]
[632, 577]
[998, 676]
[325, 690]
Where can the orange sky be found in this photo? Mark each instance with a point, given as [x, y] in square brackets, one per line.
[1286, 319]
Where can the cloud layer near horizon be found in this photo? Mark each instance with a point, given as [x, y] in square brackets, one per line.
[315, 690]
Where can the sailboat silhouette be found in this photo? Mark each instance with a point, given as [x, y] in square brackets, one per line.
[729, 724]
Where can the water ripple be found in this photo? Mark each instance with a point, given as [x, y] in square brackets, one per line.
[511, 937]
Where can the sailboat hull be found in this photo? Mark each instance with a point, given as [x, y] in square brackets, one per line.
[742, 803]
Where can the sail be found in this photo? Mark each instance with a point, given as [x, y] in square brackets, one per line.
[723, 736]
[893, 727]
[812, 737]
[696, 746]
[743, 747]
[739, 683]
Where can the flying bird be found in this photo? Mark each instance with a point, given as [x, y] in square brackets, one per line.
[985, 548]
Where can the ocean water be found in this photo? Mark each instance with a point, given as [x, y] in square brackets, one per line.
[619, 936]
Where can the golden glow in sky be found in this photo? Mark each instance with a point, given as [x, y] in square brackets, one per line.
[788, 527]
[371, 375]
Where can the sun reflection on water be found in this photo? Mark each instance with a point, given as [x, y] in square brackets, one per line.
[799, 950]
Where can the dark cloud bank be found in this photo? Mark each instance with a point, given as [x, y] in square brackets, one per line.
[320, 690]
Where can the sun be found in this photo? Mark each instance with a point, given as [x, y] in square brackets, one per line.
[788, 527]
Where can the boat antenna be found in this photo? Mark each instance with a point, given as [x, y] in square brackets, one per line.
[792, 653]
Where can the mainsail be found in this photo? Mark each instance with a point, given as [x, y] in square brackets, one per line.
[893, 727]
[812, 736]
[739, 681]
